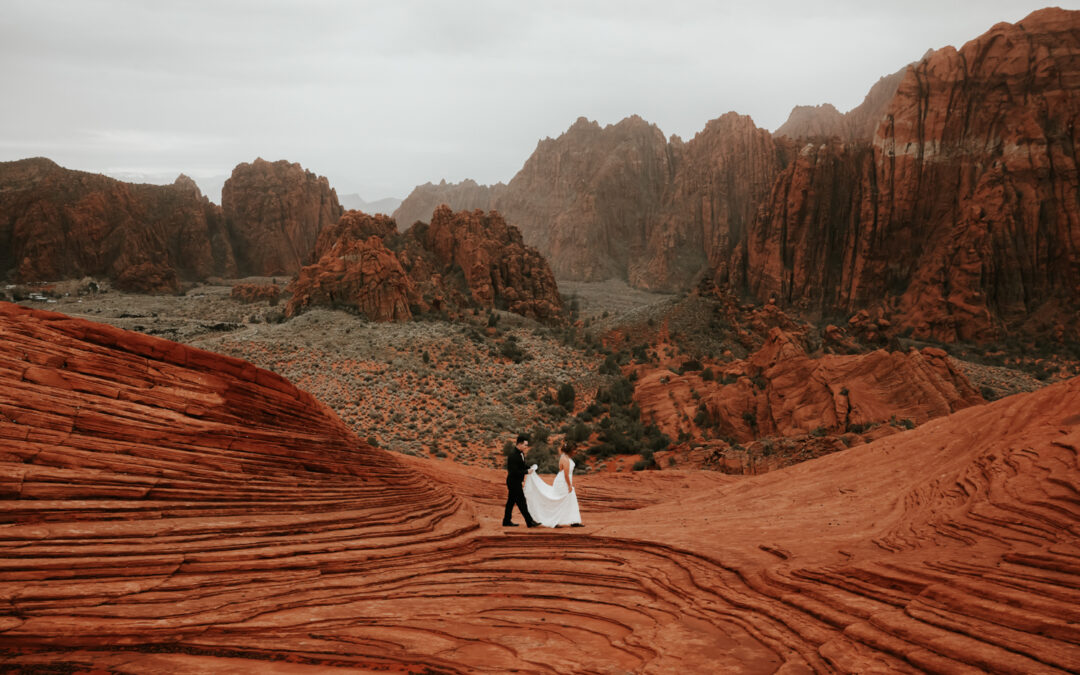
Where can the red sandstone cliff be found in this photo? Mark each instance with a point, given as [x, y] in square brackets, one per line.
[458, 260]
[962, 219]
[56, 224]
[274, 212]
[586, 199]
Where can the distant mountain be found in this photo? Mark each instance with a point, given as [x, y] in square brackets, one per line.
[210, 186]
[354, 202]
[858, 124]
[944, 206]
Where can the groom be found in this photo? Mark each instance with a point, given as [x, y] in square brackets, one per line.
[515, 480]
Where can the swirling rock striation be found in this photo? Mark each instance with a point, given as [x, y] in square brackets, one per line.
[167, 509]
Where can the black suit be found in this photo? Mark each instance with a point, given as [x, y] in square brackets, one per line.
[515, 474]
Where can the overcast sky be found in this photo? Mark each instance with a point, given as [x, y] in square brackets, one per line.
[382, 96]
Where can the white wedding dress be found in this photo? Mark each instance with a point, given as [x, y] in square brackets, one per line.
[551, 505]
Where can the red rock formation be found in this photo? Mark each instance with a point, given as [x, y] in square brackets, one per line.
[361, 275]
[274, 212]
[721, 176]
[248, 293]
[467, 195]
[170, 510]
[60, 224]
[460, 259]
[962, 219]
[500, 271]
[585, 199]
[782, 391]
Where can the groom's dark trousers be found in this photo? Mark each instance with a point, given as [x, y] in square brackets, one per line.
[515, 474]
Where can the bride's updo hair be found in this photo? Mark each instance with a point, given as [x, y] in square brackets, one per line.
[568, 448]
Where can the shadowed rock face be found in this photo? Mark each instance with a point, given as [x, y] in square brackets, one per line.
[458, 260]
[57, 224]
[168, 509]
[274, 212]
[962, 216]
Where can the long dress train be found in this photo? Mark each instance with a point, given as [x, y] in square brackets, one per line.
[551, 505]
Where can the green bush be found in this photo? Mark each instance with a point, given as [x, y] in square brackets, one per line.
[566, 395]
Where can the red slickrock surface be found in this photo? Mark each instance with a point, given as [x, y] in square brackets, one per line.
[61, 224]
[802, 394]
[274, 212]
[459, 259]
[168, 509]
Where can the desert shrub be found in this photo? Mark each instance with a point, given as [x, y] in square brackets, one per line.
[620, 392]
[578, 432]
[751, 419]
[988, 393]
[701, 418]
[691, 365]
[610, 366]
[566, 395]
[539, 434]
[708, 375]
[545, 459]
[818, 432]
[512, 351]
[759, 381]
[556, 411]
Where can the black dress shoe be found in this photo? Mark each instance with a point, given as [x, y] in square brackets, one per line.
[577, 525]
[533, 524]
[510, 524]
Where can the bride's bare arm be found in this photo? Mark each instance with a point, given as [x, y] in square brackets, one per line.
[564, 466]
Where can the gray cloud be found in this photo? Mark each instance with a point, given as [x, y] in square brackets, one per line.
[382, 96]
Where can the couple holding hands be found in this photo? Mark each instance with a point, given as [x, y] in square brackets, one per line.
[540, 503]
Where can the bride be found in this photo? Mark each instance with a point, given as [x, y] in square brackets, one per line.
[556, 504]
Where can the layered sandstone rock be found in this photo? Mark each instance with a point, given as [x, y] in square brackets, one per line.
[780, 390]
[274, 212]
[171, 510]
[721, 177]
[962, 217]
[464, 259]
[500, 271]
[61, 224]
[468, 195]
[586, 199]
